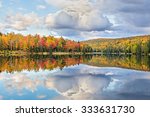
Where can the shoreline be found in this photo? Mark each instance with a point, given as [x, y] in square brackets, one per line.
[22, 53]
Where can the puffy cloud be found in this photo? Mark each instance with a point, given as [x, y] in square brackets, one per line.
[60, 20]
[39, 7]
[21, 21]
[129, 17]
[72, 5]
[0, 4]
[100, 16]
[78, 15]
[84, 85]
[133, 12]
[78, 88]
[1, 97]
[2, 26]
[41, 96]
[88, 83]
[21, 81]
[94, 21]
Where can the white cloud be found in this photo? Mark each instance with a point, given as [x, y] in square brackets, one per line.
[78, 88]
[22, 9]
[2, 27]
[102, 16]
[94, 21]
[76, 5]
[21, 21]
[1, 97]
[78, 15]
[0, 4]
[86, 86]
[82, 18]
[88, 83]
[40, 7]
[60, 20]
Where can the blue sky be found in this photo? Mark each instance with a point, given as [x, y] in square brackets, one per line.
[76, 19]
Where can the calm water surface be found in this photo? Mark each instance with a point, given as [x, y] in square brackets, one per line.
[74, 77]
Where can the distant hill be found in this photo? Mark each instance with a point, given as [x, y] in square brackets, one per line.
[136, 44]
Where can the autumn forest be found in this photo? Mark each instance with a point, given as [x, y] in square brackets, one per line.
[137, 45]
[96, 52]
[36, 62]
[14, 43]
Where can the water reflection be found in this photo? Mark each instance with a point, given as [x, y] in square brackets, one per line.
[16, 63]
[73, 79]
[130, 62]
[11, 64]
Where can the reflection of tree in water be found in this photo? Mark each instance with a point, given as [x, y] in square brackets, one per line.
[16, 63]
[148, 61]
[139, 59]
[124, 61]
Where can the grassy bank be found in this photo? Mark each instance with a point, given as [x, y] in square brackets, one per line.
[22, 53]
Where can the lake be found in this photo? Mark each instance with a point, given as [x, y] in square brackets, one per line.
[74, 77]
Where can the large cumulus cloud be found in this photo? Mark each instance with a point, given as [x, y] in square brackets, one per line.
[84, 18]
[76, 15]
[133, 12]
[99, 17]
[87, 83]
[73, 20]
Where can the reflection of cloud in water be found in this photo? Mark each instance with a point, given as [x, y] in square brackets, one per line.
[1, 97]
[41, 96]
[20, 81]
[82, 82]
[78, 88]
[134, 89]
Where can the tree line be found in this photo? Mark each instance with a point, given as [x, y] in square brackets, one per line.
[138, 45]
[37, 43]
